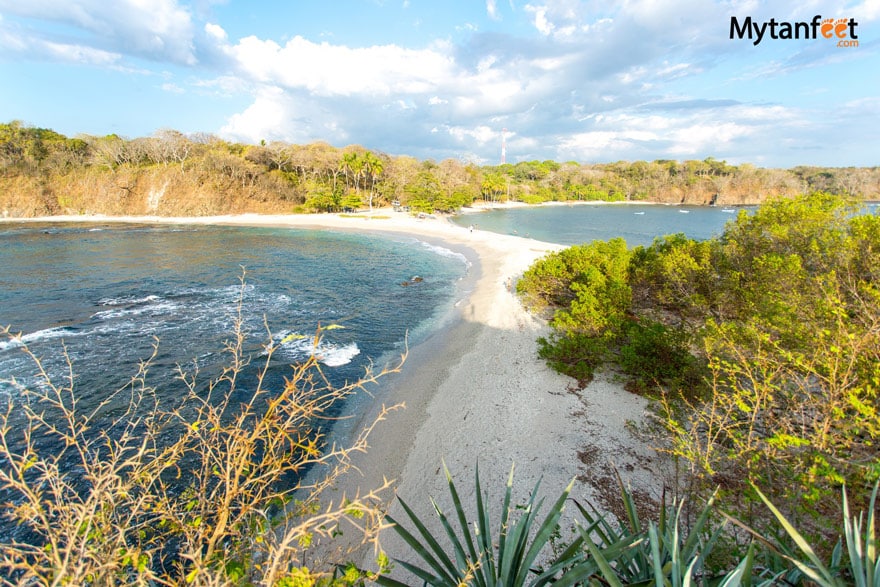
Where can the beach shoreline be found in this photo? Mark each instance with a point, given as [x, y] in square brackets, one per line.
[476, 393]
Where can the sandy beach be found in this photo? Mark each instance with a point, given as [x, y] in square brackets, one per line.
[476, 392]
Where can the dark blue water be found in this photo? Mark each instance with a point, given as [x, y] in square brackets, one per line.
[638, 224]
[101, 296]
[108, 293]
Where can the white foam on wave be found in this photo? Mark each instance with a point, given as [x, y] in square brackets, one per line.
[336, 356]
[129, 300]
[295, 346]
[444, 252]
[165, 307]
[45, 334]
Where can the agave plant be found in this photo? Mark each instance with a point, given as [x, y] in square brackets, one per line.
[658, 553]
[863, 568]
[480, 556]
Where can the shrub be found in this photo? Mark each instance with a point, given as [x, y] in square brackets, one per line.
[208, 492]
[590, 275]
[656, 356]
[575, 355]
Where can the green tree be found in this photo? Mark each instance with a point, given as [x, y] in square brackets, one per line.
[794, 354]
[493, 186]
[424, 191]
[585, 288]
[373, 167]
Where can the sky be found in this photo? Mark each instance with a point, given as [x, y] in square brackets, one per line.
[591, 81]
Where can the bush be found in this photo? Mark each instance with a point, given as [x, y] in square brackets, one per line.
[657, 357]
[573, 354]
[208, 492]
[781, 316]
[585, 286]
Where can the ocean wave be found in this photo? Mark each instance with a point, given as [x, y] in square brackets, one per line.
[336, 356]
[293, 345]
[444, 252]
[127, 300]
[165, 307]
[39, 335]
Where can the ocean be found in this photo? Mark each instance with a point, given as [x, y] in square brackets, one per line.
[638, 224]
[102, 295]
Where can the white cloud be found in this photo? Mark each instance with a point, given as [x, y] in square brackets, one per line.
[544, 26]
[724, 132]
[481, 134]
[262, 119]
[159, 29]
[216, 32]
[15, 41]
[492, 9]
[326, 69]
[867, 11]
[589, 79]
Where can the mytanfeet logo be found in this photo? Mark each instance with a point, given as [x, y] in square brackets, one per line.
[843, 30]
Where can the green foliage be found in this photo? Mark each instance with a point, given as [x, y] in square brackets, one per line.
[587, 288]
[861, 567]
[665, 551]
[794, 349]
[601, 296]
[769, 336]
[676, 273]
[481, 555]
[589, 275]
[322, 199]
[671, 549]
[574, 354]
[656, 356]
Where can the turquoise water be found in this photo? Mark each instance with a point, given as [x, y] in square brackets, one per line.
[638, 224]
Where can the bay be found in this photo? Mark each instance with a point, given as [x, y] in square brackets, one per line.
[92, 301]
[572, 224]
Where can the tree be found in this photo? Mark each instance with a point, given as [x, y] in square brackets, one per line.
[373, 167]
[173, 146]
[793, 348]
[493, 186]
[423, 191]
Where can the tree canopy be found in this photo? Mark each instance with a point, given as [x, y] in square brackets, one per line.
[762, 345]
[44, 172]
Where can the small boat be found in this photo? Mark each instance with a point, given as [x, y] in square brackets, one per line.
[685, 211]
[639, 213]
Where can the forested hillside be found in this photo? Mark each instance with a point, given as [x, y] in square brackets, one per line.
[170, 173]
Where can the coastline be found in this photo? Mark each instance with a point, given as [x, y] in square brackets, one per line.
[475, 391]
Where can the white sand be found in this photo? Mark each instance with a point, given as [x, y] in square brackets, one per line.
[476, 392]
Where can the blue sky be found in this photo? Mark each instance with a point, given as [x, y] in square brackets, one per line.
[589, 81]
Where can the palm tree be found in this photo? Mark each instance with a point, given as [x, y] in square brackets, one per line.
[373, 166]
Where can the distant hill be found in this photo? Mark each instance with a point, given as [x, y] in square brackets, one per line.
[43, 172]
